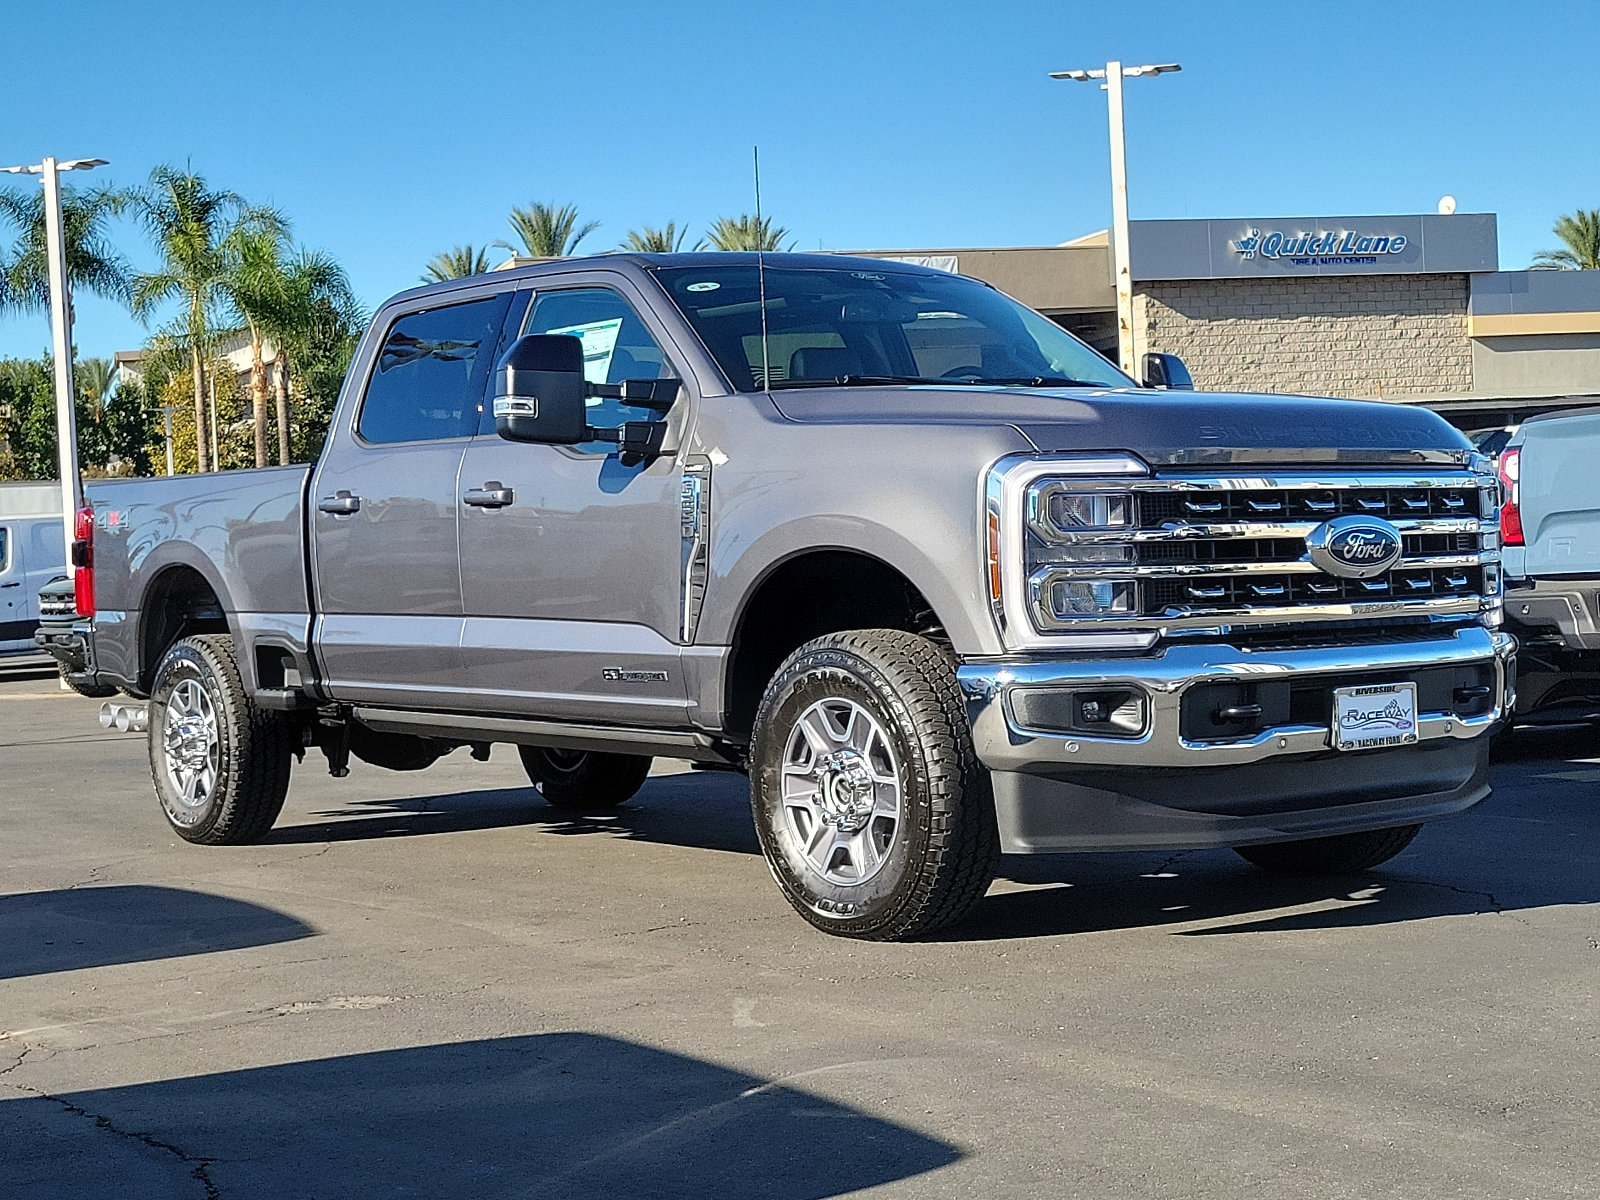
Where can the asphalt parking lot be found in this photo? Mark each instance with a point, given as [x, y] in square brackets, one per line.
[433, 985]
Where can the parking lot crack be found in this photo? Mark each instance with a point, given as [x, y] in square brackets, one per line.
[199, 1167]
[1494, 903]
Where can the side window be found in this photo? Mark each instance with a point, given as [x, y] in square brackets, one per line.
[616, 344]
[5, 549]
[429, 378]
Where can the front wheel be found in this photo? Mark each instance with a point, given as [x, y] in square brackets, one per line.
[1340, 854]
[584, 779]
[219, 763]
[873, 811]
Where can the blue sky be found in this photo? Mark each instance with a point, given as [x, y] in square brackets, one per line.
[390, 131]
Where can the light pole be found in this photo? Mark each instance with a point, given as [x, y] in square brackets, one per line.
[49, 172]
[1113, 73]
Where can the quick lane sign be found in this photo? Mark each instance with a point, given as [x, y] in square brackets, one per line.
[1249, 248]
[1342, 248]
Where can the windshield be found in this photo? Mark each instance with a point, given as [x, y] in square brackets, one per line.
[852, 325]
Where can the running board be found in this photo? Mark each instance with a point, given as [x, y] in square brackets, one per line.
[560, 735]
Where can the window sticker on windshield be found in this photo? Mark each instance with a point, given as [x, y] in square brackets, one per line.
[705, 285]
[599, 340]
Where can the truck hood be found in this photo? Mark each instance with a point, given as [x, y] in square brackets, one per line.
[1164, 428]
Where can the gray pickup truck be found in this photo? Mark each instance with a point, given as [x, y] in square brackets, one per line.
[938, 577]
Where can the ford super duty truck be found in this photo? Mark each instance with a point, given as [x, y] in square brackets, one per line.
[943, 581]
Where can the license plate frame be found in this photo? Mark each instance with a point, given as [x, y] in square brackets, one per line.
[1374, 716]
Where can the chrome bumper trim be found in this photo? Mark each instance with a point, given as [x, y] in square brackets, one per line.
[1003, 745]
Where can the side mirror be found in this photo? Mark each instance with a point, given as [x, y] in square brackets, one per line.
[1167, 371]
[539, 391]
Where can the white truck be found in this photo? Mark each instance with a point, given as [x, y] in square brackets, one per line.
[1550, 529]
[32, 552]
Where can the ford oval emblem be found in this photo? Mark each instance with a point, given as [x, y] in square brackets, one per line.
[1354, 547]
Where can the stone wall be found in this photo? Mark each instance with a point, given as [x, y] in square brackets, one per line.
[1344, 335]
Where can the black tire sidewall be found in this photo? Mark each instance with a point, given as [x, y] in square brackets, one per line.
[187, 661]
[859, 909]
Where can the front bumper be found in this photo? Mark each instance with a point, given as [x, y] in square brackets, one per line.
[1060, 790]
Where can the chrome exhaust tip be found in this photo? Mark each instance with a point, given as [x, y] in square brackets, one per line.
[124, 718]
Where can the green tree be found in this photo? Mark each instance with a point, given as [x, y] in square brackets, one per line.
[94, 378]
[92, 262]
[190, 223]
[456, 263]
[650, 240]
[746, 232]
[1581, 234]
[547, 231]
[315, 327]
[254, 284]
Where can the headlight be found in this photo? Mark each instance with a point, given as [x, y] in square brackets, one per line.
[1077, 526]
[1062, 539]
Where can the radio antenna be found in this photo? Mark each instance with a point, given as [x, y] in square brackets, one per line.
[761, 273]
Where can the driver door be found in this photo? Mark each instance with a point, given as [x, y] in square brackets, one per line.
[571, 562]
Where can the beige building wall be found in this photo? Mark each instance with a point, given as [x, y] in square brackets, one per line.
[1338, 335]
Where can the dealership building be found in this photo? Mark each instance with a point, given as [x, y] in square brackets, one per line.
[1400, 307]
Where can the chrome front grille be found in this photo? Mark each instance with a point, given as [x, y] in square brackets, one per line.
[1196, 551]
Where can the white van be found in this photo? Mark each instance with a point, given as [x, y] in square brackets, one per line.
[32, 553]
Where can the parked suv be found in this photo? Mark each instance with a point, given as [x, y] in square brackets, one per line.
[942, 580]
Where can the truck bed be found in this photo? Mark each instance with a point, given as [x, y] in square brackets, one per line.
[241, 534]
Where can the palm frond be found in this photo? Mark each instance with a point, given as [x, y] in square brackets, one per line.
[747, 232]
[456, 263]
[548, 230]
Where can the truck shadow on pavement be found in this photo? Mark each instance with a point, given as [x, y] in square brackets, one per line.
[1529, 846]
[700, 809]
[68, 930]
[548, 1115]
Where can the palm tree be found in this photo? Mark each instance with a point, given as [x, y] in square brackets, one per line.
[1581, 233]
[456, 263]
[92, 262]
[746, 232]
[94, 377]
[253, 284]
[190, 224]
[314, 322]
[547, 231]
[650, 240]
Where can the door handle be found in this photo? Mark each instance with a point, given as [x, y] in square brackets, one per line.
[493, 494]
[340, 504]
[9, 585]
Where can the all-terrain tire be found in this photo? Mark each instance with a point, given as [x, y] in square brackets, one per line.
[1340, 854]
[934, 860]
[584, 780]
[246, 750]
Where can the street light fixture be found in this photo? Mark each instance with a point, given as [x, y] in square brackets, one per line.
[49, 172]
[1113, 74]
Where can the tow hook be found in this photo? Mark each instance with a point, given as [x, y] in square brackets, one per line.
[124, 718]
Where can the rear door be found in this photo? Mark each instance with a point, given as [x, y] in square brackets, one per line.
[383, 508]
[572, 578]
[1560, 495]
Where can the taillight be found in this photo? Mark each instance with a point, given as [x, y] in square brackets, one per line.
[1510, 513]
[83, 561]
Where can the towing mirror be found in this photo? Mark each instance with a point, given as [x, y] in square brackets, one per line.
[1167, 371]
[539, 391]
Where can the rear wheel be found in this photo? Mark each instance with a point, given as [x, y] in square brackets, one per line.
[584, 779]
[1337, 855]
[873, 811]
[219, 763]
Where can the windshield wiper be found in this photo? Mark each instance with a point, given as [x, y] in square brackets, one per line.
[1039, 381]
[861, 381]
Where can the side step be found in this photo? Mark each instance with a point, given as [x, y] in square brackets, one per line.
[562, 735]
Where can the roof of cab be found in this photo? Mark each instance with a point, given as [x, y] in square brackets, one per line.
[649, 262]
